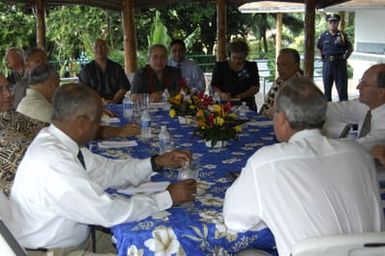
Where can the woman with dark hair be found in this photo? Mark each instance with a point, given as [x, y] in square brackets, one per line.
[237, 78]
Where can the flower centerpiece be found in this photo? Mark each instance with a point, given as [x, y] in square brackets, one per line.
[185, 103]
[217, 124]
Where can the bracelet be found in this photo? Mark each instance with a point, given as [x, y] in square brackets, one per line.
[154, 166]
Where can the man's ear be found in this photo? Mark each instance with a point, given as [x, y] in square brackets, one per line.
[83, 122]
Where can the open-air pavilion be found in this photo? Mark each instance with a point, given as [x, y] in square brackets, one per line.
[127, 9]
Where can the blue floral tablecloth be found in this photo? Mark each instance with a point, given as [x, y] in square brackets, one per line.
[198, 228]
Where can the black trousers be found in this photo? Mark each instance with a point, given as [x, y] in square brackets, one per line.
[335, 71]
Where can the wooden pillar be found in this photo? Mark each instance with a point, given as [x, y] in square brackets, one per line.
[221, 30]
[278, 37]
[342, 21]
[40, 23]
[129, 37]
[309, 38]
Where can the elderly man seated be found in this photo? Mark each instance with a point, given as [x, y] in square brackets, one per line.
[288, 62]
[368, 112]
[156, 76]
[308, 185]
[44, 80]
[104, 75]
[60, 185]
[15, 62]
[16, 133]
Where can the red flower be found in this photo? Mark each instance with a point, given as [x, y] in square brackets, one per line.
[182, 83]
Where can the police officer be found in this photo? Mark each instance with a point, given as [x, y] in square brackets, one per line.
[335, 48]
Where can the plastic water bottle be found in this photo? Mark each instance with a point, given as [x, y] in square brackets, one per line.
[128, 107]
[165, 142]
[243, 109]
[145, 125]
[165, 97]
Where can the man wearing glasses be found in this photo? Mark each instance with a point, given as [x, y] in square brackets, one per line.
[368, 112]
[334, 48]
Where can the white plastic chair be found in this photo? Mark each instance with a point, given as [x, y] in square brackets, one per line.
[363, 244]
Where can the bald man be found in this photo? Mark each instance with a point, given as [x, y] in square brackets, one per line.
[105, 76]
[368, 112]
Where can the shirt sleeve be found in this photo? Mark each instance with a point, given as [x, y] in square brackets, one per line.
[84, 77]
[217, 76]
[242, 215]
[124, 83]
[116, 173]
[346, 111]
[139, 84]
[75, 195]
[198, 78]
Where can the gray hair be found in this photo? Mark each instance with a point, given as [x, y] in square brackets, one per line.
[73, 100]
[152, 47]
[41, 74]
[303, 104]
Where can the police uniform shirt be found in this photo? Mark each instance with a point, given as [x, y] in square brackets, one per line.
[333, 45]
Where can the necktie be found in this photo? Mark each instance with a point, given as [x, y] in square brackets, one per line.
[366, 125]
[81, 159]
[92, 227]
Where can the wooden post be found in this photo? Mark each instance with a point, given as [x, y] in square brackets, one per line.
[129, 37]
[309, 38]
[342, 21]
[278, 37]
[221, 30]
[40, 23]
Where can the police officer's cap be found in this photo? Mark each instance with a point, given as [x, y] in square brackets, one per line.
[333, 17]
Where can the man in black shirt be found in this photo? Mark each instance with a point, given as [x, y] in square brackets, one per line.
[105, 76]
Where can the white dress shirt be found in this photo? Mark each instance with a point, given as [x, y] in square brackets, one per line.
[310, 186]
[354, 112]
[59, 198]
[35, 106]
[191, 72]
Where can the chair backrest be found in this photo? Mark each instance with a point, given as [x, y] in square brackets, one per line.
[368, 244]
[8, 243]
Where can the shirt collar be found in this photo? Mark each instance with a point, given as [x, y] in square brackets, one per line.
[378, 109]
[300, 135]
[71, 145]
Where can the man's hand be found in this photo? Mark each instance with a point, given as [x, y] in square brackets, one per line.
[173, 159]
[129, 130]
[378, 153]
[182, 191]
[225, 96]
[156, 96]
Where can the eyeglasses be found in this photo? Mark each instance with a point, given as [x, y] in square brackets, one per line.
[362, 83]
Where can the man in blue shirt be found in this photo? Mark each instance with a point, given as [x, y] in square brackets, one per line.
[335, 48]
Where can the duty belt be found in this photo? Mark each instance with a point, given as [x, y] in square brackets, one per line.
[332, 58]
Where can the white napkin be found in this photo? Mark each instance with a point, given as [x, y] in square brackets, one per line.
[146, 188]
[117, 144]
[260, 123]
[109, 120]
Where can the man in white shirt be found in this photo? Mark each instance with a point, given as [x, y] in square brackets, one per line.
[308, 185]
[60, 185]
[191, 72]
[371, 98]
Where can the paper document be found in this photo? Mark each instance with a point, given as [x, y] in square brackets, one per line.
[117, 144]
[147, 188]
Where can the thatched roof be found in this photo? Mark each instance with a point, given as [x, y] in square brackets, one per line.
[116, 4]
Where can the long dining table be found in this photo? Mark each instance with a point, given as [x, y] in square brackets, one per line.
[196, 228]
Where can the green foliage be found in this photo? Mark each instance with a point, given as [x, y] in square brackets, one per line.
[17, 29]
[158, 32]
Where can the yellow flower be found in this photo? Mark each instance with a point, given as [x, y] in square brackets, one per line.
[233, 115]
[219, 121]
[237, 128]
[217, 108]
[172, 113]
